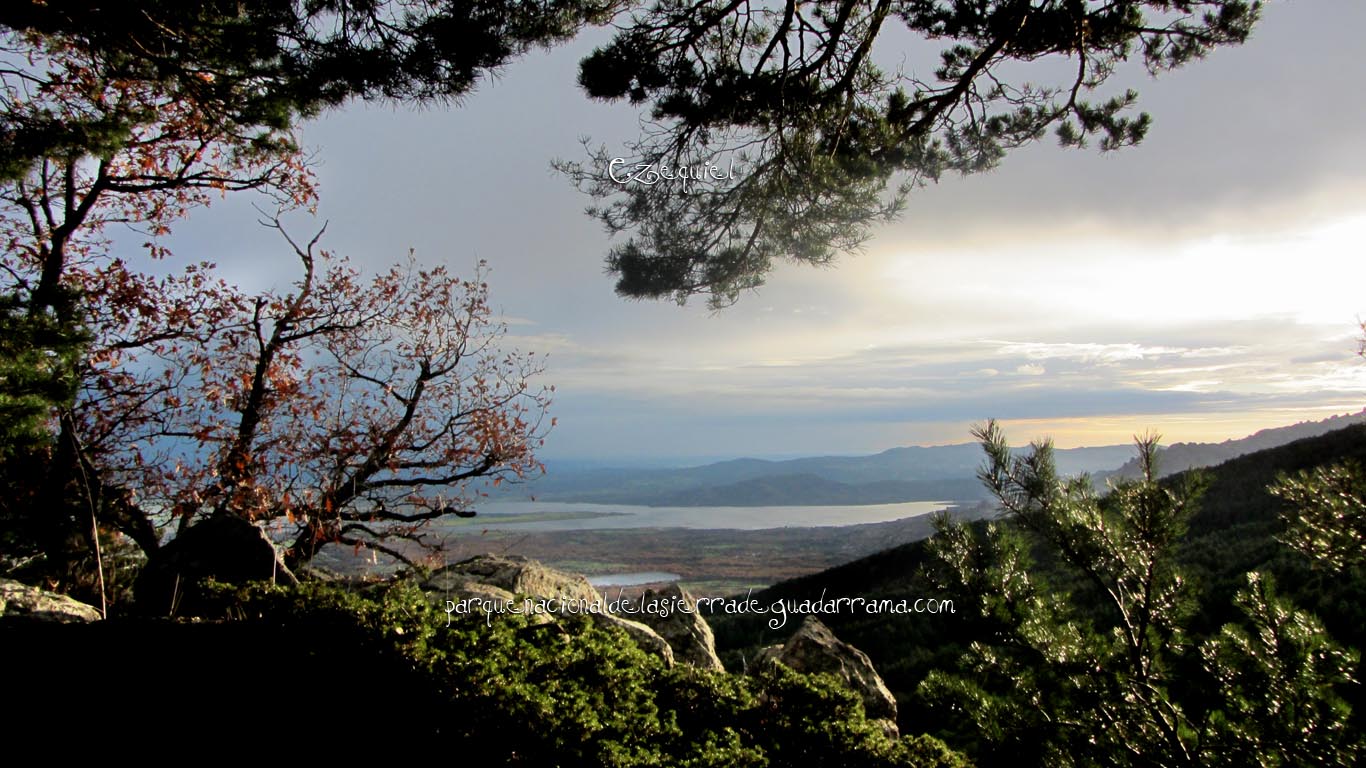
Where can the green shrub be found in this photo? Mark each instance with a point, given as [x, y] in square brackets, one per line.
[573, 693]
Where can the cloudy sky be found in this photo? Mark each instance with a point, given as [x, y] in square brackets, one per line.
[1205, 284]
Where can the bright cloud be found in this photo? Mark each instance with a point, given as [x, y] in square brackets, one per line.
[1207, 283]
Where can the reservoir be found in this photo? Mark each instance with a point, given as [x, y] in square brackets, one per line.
[632, 579]
[570, 516]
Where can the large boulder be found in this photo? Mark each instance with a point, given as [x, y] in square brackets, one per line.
[508, 580]
[672, 613]
[515, 574]
[457, 587]
[648, 640]
[224, 548]
[21, 602]
[813, 648]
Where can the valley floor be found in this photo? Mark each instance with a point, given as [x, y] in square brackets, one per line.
[711, 562]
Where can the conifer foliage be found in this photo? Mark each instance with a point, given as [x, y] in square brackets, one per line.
[1098, 666]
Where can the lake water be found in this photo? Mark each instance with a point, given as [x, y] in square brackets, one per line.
[633, 579]
[565, 516]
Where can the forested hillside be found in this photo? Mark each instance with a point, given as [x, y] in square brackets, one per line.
[1232, 531]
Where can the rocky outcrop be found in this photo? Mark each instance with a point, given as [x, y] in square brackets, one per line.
[646, 638]
[672, 613]
[814, 648]
[507, 580]
[21, 602]
[455, 586]
[223, 548]
[517, 575]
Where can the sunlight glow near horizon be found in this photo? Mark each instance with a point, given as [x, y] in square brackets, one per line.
[1171, 427]
[1312, 274]
[1259, 324]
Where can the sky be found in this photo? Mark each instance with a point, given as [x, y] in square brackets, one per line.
[1205, 284]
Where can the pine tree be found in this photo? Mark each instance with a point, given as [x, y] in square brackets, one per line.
[1087, 659]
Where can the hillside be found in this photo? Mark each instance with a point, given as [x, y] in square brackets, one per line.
[1179, 457]
[1231, 533]
[810, 489]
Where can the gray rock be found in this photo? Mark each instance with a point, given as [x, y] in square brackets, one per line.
[453, 587]
[21, 602]
[224, 548]
[765, 655]
[457, 586]
[501, 578]
[518, 575]
[813, 648]
[645, 637]
[682, 627]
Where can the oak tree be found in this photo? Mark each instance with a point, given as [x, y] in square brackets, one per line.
[186, 397]
[347, 410]
[57, 216]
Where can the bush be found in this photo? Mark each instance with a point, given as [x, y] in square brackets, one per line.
[572, 693]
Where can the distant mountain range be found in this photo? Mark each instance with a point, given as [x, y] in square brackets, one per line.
[918, 473]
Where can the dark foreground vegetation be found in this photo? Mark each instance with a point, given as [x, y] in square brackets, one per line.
[300, 668]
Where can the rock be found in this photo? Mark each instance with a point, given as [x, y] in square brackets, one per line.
[500, 578]
[518, 575]
[225, 548]
[764, 656]
[814, 648]
[682, 627]
[645, 637]
[458, 586]
[21, 602]
[452, 586]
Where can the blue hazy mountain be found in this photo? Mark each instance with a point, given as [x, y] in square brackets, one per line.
[916, 473]
[919, 473]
